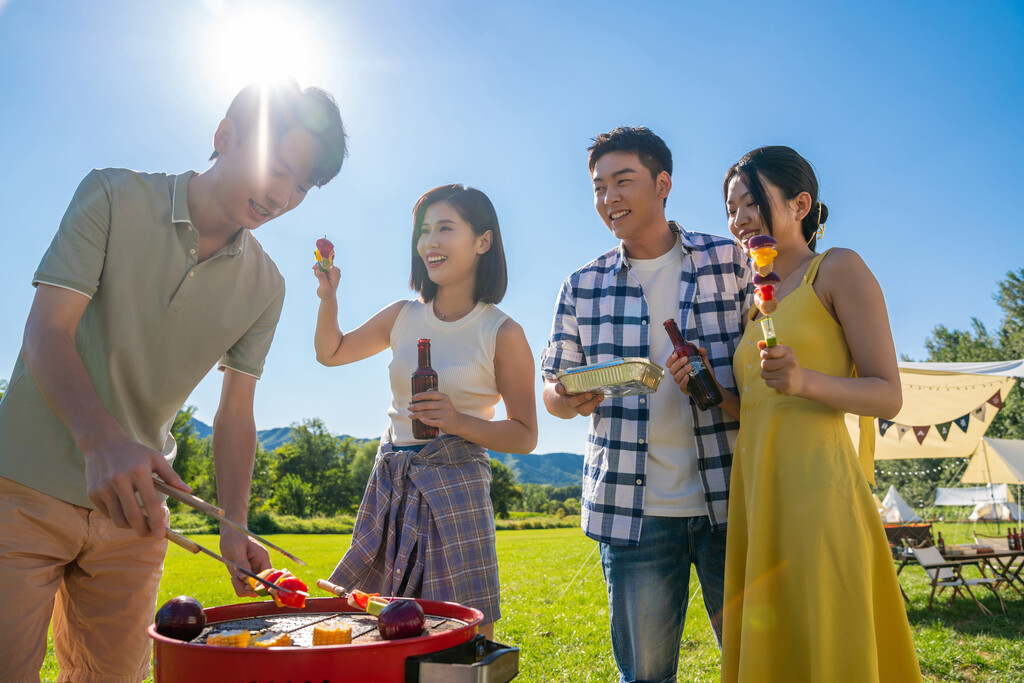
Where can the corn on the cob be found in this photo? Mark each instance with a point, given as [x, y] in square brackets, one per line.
[271, 639]
[332, 633]
[238, 638]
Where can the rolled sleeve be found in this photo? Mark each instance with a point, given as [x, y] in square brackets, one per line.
[564, 350]
[249, 353]
[77, 253]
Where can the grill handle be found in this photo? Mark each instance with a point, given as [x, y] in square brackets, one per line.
[478, 660]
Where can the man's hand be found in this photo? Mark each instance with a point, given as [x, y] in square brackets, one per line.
[116, 471]
[680, 367]
[239, 548]
[562, 404]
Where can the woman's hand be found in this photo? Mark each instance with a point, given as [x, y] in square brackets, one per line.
[780, 369]
[435, 409]
[327, 285]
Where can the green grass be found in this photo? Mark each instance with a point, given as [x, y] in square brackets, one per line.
[555, 610]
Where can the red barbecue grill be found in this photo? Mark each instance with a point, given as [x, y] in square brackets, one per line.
[449, 652]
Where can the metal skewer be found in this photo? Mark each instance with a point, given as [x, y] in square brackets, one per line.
[217, 513]
[193, 547]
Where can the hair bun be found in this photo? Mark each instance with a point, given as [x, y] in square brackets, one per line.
[824, 213]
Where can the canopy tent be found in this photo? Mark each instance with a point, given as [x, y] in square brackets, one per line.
[995, 512]
[975, 495]
[946, 409]
[997, 461]
[895, 510]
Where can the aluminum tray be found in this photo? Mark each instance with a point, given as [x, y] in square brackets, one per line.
[619, 377]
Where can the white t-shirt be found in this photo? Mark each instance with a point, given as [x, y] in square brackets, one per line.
[673, 482]
[462, 354]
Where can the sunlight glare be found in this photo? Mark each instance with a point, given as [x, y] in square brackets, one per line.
[248, 43]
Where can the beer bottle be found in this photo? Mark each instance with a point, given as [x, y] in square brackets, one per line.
[423, 379]
[702, 385]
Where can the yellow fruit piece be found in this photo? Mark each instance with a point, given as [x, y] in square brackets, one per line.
[271, 639]
[332, 633]
[238, 638]
[763, 256]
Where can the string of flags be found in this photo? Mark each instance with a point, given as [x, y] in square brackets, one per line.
[951, 463]
[942, 428]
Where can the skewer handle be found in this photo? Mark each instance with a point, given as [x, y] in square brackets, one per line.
[178, 539]
[331, 587]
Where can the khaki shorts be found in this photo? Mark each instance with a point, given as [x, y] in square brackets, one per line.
[97, 581]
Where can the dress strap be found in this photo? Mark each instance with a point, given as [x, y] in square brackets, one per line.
[812, 270]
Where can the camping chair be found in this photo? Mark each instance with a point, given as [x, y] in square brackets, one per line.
[950, 575]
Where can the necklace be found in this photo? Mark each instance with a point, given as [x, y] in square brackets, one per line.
[442, 316]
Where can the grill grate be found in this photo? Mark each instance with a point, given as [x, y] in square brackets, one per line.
[300, 626]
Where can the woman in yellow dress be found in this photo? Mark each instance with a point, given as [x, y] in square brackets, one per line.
[810, 589]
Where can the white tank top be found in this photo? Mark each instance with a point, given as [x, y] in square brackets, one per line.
[461, 352]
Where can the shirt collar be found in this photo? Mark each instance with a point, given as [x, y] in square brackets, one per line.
[180, 214]
[179, 198]
[685, 242]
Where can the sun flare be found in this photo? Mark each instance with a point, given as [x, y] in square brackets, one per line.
[249, 43]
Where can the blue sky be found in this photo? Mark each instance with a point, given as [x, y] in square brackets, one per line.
[910, 113]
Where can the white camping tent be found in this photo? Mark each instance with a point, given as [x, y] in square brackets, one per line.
[995, 512]
[896, 511]
[997, 460]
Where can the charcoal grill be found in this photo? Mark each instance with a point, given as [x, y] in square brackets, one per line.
[448, 652]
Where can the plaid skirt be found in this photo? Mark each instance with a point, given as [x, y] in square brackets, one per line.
[425, 527]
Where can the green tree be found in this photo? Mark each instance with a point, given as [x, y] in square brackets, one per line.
[292, 496]
[503, 488]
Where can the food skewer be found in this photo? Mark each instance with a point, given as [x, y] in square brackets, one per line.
[193, 547]
[218, 514]
[331, 588]
[763, 251]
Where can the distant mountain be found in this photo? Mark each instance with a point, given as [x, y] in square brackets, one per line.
[557, 469]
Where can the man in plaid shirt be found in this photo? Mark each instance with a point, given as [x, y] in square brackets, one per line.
[656, 470]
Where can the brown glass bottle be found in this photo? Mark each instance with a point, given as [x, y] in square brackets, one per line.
[702, 385]
[424, 379]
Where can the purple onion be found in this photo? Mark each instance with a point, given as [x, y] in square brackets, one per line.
[758, 241]
[401, 619]
[181, 618]
[769, 279]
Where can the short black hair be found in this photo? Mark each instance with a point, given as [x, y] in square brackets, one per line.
[476, 209]
[653, 152]
[287, 106]
[784, 168]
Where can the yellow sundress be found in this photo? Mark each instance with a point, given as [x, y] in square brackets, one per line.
[810, 589]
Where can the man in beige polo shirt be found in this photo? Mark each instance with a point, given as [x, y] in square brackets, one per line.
[150, 281]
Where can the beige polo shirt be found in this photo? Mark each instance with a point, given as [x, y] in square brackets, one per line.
[156, 323]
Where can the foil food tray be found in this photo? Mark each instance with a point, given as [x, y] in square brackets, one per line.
[619, 377]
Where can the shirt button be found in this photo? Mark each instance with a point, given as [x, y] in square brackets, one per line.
[748, 366]
[640, 441]
[643, 322]
[639, 482]
[193, 252]
[750, 343]
[643, 400]
[744, 412]
[746, 388]
[398, 571]
[743, 450]
[190, 228]
[192, 273]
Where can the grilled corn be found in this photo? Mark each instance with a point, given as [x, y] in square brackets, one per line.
[238, 638]
[332, 633]
[271, 639]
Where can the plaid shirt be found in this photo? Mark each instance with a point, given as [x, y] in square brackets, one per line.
[601, 314]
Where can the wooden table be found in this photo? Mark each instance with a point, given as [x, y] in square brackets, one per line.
[1003, 564]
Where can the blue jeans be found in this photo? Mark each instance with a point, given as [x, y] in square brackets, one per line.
[649, 589]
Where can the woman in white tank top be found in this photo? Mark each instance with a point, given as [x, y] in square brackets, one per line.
[425, 527]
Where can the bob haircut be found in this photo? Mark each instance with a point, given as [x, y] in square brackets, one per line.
[791, 173]
[475, 208]
[287, 106]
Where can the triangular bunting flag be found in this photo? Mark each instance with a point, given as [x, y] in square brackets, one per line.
[902, 430]
[944, 429]
[921, 432]
[996, 400]
[979, 412]
[962, 422]
[883, 426]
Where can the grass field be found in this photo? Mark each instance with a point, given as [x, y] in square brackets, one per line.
[555, 610]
